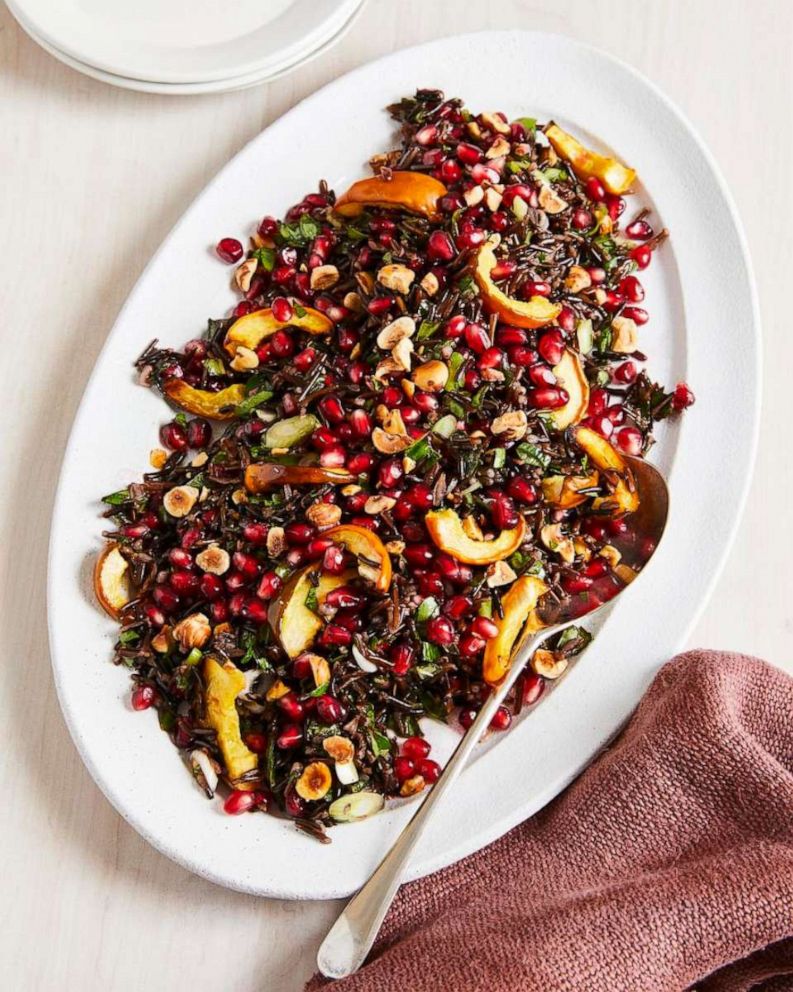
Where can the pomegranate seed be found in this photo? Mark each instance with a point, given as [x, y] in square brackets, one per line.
[330, 710]
[636, 314]
[416, 748]
[425, 402]
[573, 584]
[467, 716]
[243, 802]
[450, 171]
[626, 372]
[282, 344]
[291, 735]
[331, 409]
[430, 584]
[471, 645]
[155, 616]
[333, 456]
[282, 309]
[566, 319]
[616, 414]
[629, 439]
[632, 289]
[682, 397]
[455, 328]
[256, 533]
[256, 611]
[541, 375]
[256, 742]
[440, 630]
[404, 768]
[468, 154]
[453, 570]
[499, 221]
[268, 227]
[220, 611]
[617, 528]
[324, 437]
[597, 275]
[595, 528]
[211, 586]
[595, 189]
[347, 337]
[602, 424]
[551, 346]
[380, 305]
[335, 635]
[470, 238]
[530, 289]
[246, 564]
[429, 770]
[582, 219]
[522, 355]
[476, 337]
[269, 585]
[333, 560]
[389, 473]
[522, 490]
[180, 558]
[472, 380]
[598, 402]
[135, 530]
[143, 697]
[190, 537]
[237, 604]
[596, 568]
[615, 205]
[639, 230]
[548, 397]
[482, 173]
[401, 656]
[503, 270]
[199, 433]
[420, 496]
[484, 627]
[533, 688]
[283, 274]
[361, 423]
[642, 255]
[368, 522]
[426, 135]
[491, 358]
[502, 719]
[173, 436]
[458, 606]
[418, 555]
[503, 512]
[613, 301]
[166, 598]
[317, 547]
[508, 336]
[305, 359]
[360, 463]
[344, 598]
[185, 583]
[243, 308]
[299, 533]
[291, 706]
[235, 581]
[229, 249]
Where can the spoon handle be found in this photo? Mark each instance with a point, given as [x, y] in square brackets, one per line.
[349, 941]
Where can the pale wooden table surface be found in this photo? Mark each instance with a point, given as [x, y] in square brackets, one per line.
[92, 180]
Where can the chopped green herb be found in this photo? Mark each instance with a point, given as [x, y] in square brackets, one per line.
[266, 257]
[446, 426]
[532, 455]
[426, 329]
[128, 637]
[117, 498]
[250, 403]
[428, 608]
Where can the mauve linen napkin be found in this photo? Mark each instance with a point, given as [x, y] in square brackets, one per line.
[667, 866]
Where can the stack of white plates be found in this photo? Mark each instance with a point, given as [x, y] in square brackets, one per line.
[185, 46]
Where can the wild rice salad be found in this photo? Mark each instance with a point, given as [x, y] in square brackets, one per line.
[409, 430]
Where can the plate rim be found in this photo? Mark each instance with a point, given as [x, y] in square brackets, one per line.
[482, 837]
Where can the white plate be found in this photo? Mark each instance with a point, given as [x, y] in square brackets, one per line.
[704, 328]
[271, 72]
[183, 41]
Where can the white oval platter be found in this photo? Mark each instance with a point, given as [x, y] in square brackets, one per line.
[704, 328]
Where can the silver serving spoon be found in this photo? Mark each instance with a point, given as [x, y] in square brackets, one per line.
[349, 941]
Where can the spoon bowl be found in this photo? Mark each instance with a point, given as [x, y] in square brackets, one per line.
[349, 941]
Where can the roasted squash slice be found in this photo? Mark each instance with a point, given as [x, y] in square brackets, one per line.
[214, 406]
[374, 562]
[535, 312]
[415, 192]
[519, 619]
[111, 580]
[249, 331]
[570, 377]
[449, 533]
[223, 683]
[616, 177]
[293, 623]
[262, 476]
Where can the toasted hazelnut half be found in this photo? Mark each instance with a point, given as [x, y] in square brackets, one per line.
[550, 201]
[339, 748]
[510, 426]
[276, 541]
[402, 353]
[546, 663]
[412, 786]
[499, 147]
[214, 560]
[577, 279]
[611, 554]
[624, 336]
[244, 359]
[393, 333]
[162, 642]
[315, 781]
[430, 284]
[493, 199]
[500, 574]
[180, 500]
[432, 376]
[320, 669]
[192, 632]
[244, 274]
[474, 195]
[376, 504]
[323, 515]
[553, 539]
[495, 122]
[324, 276]
[398, 278]
[390, 444]
[157, 458]
[391, 421]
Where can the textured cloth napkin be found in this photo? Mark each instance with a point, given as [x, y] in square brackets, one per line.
[668, 865]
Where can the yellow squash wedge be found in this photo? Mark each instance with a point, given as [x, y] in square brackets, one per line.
[415, 192]
[616, 177]
[450, 535]
[214, 406]
[249, 331]
[222, 684]
[374, 560]
[570, 377]
[111, 580]
[519, 620]
[535, 312]
[292, 622]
